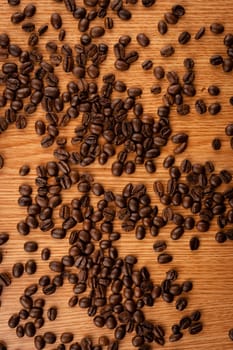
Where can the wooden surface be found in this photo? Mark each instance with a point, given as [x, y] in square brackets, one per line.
[211, 267]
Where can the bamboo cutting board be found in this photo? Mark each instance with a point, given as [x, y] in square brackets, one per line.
[211, 267]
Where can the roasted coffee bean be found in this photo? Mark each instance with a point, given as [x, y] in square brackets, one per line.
[13, 321]
[30, 267]
[52, 313]
[214, 108]
[216, 144]
[195, 328]
[167, 51]
[45, 254]
[164, 258]
[159, 72]
[230, 334]
[143, 39]
[216, 60]
[162, 27]
[200, 106]
[213, 90]
[194, 243]
[217, 28]
[28, 27]
[229, 130]
[17, 17]
[184, 38]
[220, 237]
[97, 31]
[29, 329]
[13, 2]
[175, 336]
[171, 18]
[39, 342]
[49, 337]
[187, 286]
[29, 10]
[181, 303]
[19, 331]
[5, 279]
[199, 33]
[30, 246]
[17, 270]
[4, 237]
[56, 20]
[66, 337]
[159, 246]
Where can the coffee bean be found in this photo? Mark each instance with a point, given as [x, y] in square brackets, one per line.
[159, 72]
[4, 237]
[217, 28]
[52, 313]
[175, 337]
[200, 106]
[30, 267]
[49, 337]
[213, 90]
[30, 246]
[164, 258]
[28, 27]
[167, 51]
[13, 321]
[143, 39]
[17, 17]
[216, 144]
[29, 10]
[66, 337]
[39, 342]
[159, 246]
[194, 243]
[220, 237]
[5, 279]
[230, 334]
[214, 108]
[187, 286]
[162, 27]
[97, 32]
[29, 329]
[19, 331]
[13, 2]
[17, 270]
[184, 38]
[229, 130]
[195, 328]
[56, 20]
[199, 33]
[171, 18]
[216, 60]
[45, 254]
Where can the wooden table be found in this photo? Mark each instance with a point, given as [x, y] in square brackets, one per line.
[210, 267]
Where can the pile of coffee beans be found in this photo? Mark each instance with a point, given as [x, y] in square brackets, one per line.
[111, 124]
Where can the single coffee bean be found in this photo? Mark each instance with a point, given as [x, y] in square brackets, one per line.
[159, 246]
[66, 337]
[184, 38]
[52, 313]
[167, 51]
[143, 39]
[213, 90]
[17, 270]
[5, 279]
[220, 237]
[200, 106]
[39, 342]
[13, 2]
[30, 329]
[19, 331]
[4, 237]
[49, 337]
[30, 246]
[30, 267]
[216, 60]
[29, 10]
[56, 20]
[230, 334]
[195, 328]
[45, 254]
[187, 286]
[159, 72]
[217, 28]
[199, 33]
[162, 27]
[171, 18]
[181, 303]
[194, 243]
[97, 31]
[216, 144]
[164, 258]
[214, 108]
[1, 161]
[13, 321]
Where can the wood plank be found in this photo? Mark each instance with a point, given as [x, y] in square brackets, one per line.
[210, 268]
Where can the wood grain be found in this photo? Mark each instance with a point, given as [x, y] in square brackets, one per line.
[211, 267]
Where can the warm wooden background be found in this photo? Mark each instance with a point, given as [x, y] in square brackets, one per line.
[210, 267]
